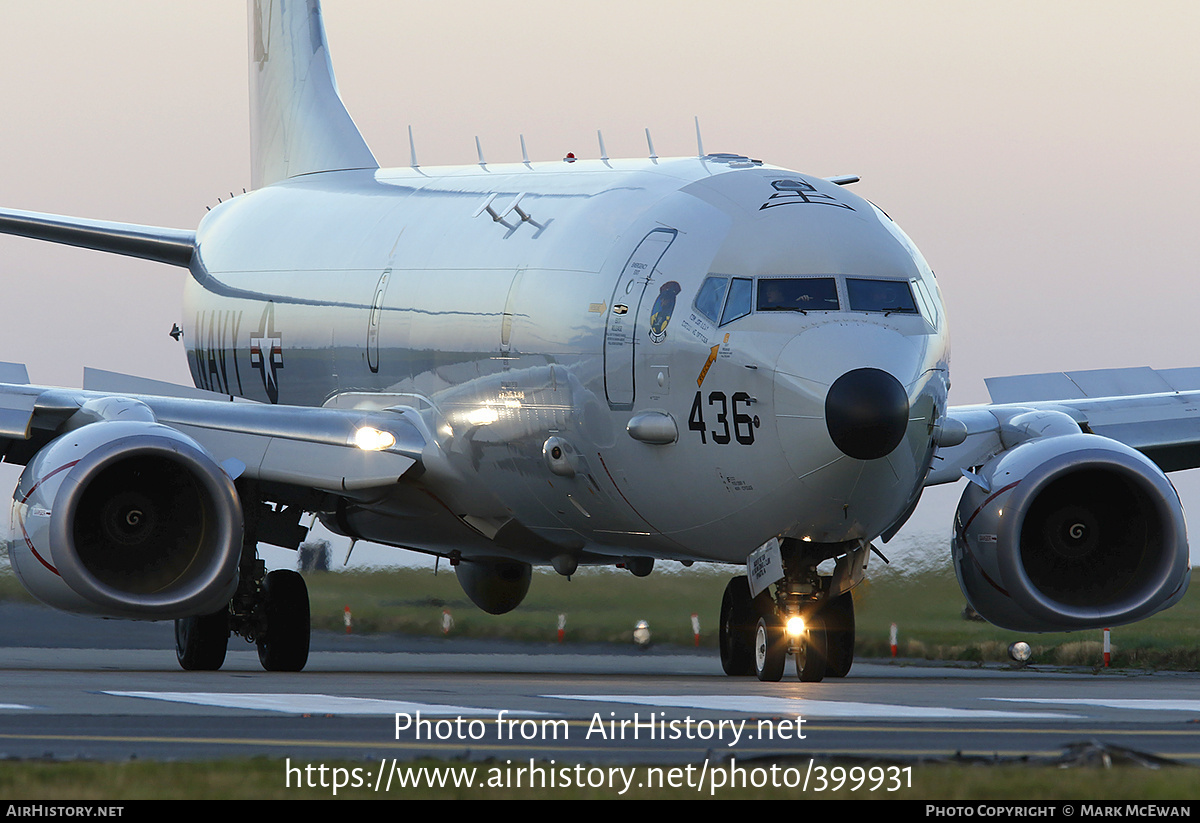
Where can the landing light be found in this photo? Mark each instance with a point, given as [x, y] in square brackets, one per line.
[372, 440]
[795, 626]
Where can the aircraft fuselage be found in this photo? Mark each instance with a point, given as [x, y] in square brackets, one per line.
[613, 358]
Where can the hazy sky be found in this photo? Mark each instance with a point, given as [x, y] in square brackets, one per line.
[1043, 155]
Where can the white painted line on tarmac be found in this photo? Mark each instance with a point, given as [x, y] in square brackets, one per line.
[754, 704]
[314, 704]
[1144, 704]
[6, 706]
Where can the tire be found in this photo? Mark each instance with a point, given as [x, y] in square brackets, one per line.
[812, 652]
[770, 649]
[838, 616]
[201, 641]
[738, 623]
[284, 648]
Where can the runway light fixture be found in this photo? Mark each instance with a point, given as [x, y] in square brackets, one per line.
[641, 634]
[795, 626]
[1020, 651]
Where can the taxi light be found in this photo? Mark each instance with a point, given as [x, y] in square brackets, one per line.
[371, 439]
[795, 626]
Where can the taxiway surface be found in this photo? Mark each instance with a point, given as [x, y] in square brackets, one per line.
[81, 688]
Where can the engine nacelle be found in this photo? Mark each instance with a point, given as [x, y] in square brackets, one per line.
[127, 519]
[1075, 532]
[495, 585]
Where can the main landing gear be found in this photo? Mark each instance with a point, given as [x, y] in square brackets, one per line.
[810, 617]
[268, 609]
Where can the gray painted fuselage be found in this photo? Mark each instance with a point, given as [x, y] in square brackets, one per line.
[430, 290]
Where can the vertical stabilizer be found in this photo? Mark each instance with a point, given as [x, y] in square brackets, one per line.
[298, 124]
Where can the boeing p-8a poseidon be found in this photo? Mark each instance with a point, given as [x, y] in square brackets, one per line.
[568, 363]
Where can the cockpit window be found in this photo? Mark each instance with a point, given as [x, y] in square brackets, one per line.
[802, 294]
[880, 295]
[740, 301]
[927, 305]
[711, 296]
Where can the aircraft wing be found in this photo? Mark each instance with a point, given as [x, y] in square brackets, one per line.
[1156, 412]
[336, 450]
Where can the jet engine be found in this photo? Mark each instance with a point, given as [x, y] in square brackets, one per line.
[127, 519]
[497, 586]
[1070, 532]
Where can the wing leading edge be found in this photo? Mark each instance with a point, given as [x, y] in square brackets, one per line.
[1156, 412]
[314, 448]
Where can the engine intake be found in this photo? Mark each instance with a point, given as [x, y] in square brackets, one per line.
[1074, 532]
[127, 519]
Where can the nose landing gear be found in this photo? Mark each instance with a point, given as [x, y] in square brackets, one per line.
[810, 617]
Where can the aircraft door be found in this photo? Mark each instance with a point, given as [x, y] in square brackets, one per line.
[620, 333]
[373, 320]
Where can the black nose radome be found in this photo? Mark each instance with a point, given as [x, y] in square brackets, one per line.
[866, 412]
